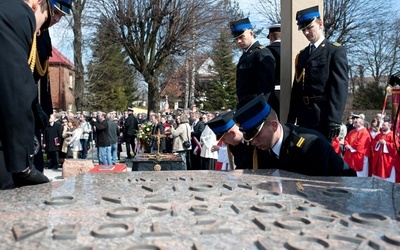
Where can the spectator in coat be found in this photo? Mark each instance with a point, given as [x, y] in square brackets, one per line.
[103, 139]
[52, 142]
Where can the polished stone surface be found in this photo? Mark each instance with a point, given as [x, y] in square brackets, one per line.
[268, 209]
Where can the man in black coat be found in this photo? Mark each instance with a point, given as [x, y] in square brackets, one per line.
[103, 139]
[43, 106]
[287, 146]
[52, 141]
[197, 128]
[131, 127]
[274, 46]
[255, 71]
[320, 87]
[158, 128]
[18, 91]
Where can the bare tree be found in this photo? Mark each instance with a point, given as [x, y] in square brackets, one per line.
[153, 30]
[78, 7]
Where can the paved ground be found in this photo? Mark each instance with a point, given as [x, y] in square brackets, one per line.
[56, 174]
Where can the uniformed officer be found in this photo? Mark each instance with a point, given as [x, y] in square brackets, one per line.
[43, 106]
[319, 90]
[275, 36]
[20, 21]
[226, 130]
[287, 146]
[255, 71]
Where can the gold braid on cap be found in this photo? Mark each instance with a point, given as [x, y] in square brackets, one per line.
[33, 54]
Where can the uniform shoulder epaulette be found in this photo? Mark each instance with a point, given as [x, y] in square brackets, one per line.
[261, 47]
[336, 44]
[298, 141]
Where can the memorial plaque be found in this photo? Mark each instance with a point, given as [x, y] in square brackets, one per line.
[241, 209]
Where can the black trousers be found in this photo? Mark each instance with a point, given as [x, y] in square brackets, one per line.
[130, 142]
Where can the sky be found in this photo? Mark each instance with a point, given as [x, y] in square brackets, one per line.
[62, 35]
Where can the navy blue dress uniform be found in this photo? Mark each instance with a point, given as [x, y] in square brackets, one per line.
[43, 106]
[255, 71]
[17, 94]
[275, 48]
[243, 153]
[301, 150]
[320, 87]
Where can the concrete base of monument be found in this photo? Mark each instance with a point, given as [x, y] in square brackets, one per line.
[73, 167]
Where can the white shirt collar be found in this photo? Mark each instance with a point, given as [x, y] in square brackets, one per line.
[320, 40]
[277, 147]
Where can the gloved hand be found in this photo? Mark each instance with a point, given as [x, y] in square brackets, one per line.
[333, 130]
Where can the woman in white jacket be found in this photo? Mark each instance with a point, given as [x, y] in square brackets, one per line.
[180, 134]
[75, 141]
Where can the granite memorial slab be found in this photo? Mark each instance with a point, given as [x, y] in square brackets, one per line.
[242, 209]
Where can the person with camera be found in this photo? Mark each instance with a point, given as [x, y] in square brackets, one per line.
[181, 139]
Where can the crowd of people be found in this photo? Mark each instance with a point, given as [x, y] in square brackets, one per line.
[370, 148]
[313, 142]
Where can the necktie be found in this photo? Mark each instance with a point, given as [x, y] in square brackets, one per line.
[312, 48]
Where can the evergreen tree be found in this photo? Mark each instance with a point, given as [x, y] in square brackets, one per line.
[222, 92]
[111, 81]
[369, 96]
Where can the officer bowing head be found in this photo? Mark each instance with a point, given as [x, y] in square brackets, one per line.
[259, 123]
[287, 146]
[225, 129]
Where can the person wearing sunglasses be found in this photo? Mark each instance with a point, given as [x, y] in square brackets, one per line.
[287, 146]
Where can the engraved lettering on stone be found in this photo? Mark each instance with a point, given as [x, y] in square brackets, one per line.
[145, 247]
[112, 199]
[245, 185]
[229, 187]
[202, 188]
[200, 209]
[160, 211]
[200, 198]
[300, 242]
[293, 222]
[124, 212]
[370, 218]
[235, 208]
[261, 224]
[392, 238]
[112, 230]
[155, 232]
[262, 245]
[66, 232]
[214, 227]
[269, 207]
[21, 232]
[346, 239]
[60, 200]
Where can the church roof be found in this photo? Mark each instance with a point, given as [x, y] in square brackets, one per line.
[58, 58]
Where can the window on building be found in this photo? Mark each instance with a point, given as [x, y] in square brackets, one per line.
[70, 81]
